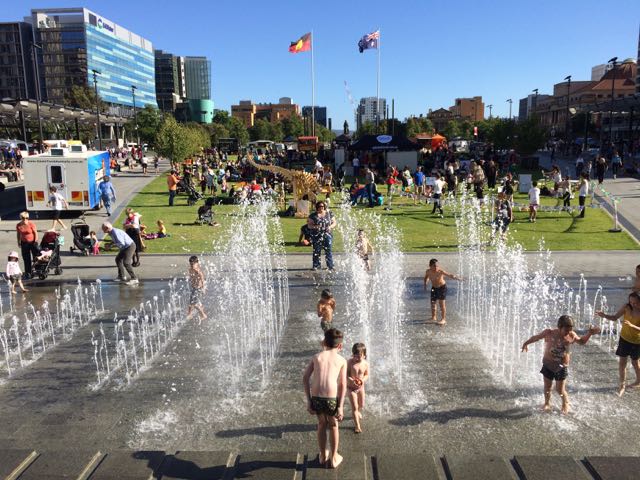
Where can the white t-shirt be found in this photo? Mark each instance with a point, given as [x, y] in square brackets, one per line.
[56, 201]
[534, 196]
[437, 186]
[584, 189]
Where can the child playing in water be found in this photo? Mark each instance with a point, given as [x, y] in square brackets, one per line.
[13, 272]
[326, 306]
[196, 283]
[364, 249]
[357, 374]
[555, 361]
[325, 386]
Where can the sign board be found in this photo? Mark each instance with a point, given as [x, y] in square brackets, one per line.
[525, 183]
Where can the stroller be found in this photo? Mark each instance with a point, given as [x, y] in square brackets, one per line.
[80, 231]
[189, 189]
[51, 241]
[205, 212]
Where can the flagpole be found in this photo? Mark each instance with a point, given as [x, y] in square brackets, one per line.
[378, 86]
[313, 90]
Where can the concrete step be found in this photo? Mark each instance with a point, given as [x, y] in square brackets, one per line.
[200, 465]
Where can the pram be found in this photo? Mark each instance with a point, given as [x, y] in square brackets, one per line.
[205, 212]
[189, 189]
[50, 241]
[80, 231]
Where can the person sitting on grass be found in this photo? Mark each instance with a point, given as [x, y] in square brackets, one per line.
[161, 233]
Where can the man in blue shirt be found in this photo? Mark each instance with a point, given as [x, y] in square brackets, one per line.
[127, 248]
[107, 193]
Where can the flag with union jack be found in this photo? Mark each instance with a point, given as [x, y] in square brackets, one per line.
[369, 40]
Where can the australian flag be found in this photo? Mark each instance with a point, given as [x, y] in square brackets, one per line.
[369, 40]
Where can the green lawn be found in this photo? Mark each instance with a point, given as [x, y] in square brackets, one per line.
[421, 231]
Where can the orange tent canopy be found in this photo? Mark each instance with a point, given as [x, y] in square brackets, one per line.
[436, 140]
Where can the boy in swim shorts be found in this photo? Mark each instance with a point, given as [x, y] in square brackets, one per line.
[196, 284]
[325, 386]
[325, 308]
[555, 361]
[436, 276]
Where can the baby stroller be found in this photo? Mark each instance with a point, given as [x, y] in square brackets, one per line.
[51, 241]
[189, 189]
[80, 231]
[205, 212]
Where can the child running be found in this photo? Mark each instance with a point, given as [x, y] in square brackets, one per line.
[436, 276]
[534, 201]
[364, 249]
[629, 343]
[555, 361]
[357, 374]
[13, 272]
[325, 386]
[326, 306]
[196, 283]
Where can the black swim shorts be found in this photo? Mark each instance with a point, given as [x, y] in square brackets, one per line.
[551, 375]
[325, 406]
[628, 349]
[438, 293]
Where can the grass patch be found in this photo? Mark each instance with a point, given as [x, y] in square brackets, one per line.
[422, 232]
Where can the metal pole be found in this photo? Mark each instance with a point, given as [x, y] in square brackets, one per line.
[535, 100]
[313, 89]
[23, 125]
[510, 102]
[566, 120]
[586, 130]
[38, 98]
[378, 86]
[490, 108]
[393, 116]
[135, 113]
[95, 85]
[613, 83]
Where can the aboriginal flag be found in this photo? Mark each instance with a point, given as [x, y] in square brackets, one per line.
[303, 44]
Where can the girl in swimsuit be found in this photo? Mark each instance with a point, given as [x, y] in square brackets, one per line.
[357, 374]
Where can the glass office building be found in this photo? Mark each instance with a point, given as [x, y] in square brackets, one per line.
[76, 41]
[198, 78]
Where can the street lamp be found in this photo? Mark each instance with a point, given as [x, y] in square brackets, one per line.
[613, 63]
[535, 100]
[135, 113]
[566, 124]
[510, 102]
[489, 107]
[95, 86]
[37, 82]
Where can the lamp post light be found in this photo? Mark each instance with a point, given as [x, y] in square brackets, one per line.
[135, 113]
[95, 86]
[510, 102]
[37, 83]
[535, 100]
[613, 63]
[566, 123]
[490, 107]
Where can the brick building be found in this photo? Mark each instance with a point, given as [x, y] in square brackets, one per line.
[249, 112]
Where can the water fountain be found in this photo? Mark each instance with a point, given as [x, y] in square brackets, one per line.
[23, 342]
[508, 296]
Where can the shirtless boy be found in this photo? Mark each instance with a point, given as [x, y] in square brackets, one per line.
[325, 386]
[326, 306]
[436, 276]
[357, 375]
[555, 361]
[364, 249]
[196, 284]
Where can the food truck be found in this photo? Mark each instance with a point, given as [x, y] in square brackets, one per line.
[74, 171]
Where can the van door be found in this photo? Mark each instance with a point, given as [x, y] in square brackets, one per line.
[56, 177]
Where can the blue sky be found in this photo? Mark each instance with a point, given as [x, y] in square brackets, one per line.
[431, 51]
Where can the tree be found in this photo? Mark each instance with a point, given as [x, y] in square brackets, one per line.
[84, 97]
[216, 132]
[324, 134]
[238, 130]
[221, 117]
[531, 136]
[292, 127]
[416, 125]
[367, 128]
[261, 130]
[179, 142]
[149, 121]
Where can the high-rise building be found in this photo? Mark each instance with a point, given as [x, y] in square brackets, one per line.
[528, 105]
[170, 80]
[197, 78]
[16, 72]
[319, 113]
[77, 41]
[638, 63]
[367, 108]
